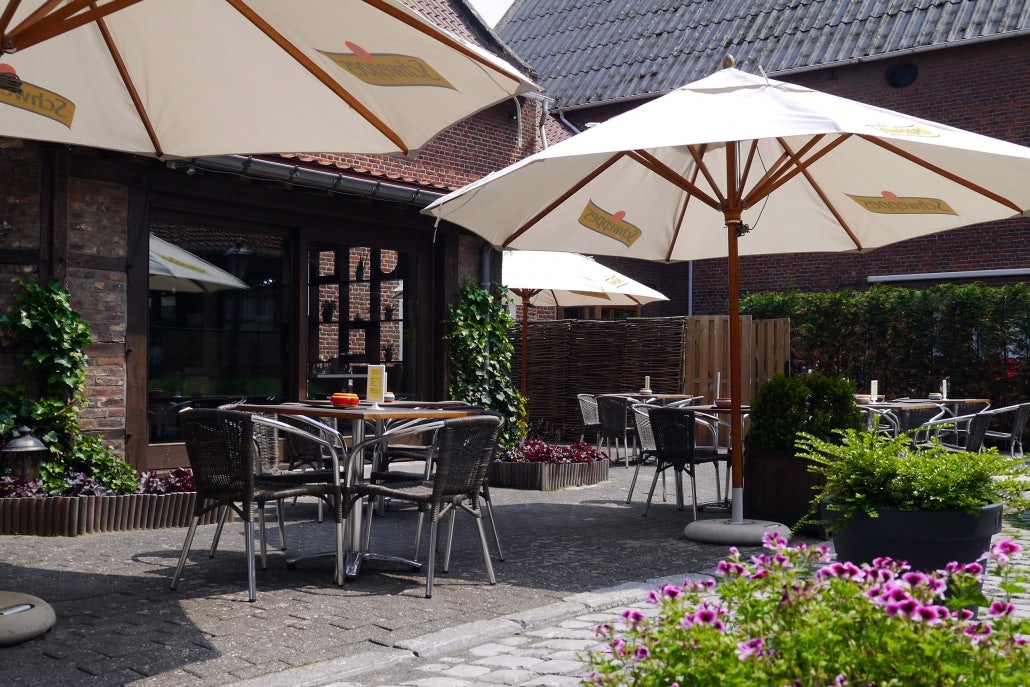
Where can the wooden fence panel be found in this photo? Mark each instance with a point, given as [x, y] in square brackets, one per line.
[679, 354]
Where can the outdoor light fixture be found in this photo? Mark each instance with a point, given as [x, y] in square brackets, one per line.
[23, 454]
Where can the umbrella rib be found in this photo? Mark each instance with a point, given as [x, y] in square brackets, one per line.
[123, 72]
[562, 198]
[962, 181]
[53, 18]
[319, 73]
[779, 173]
[672, 176]
[822, 196]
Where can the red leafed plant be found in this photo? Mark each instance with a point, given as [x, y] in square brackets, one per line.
[537, 451]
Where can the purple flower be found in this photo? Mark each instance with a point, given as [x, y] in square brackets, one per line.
[1001, 608]
[642, 653]
[750, 648]
[633, 616]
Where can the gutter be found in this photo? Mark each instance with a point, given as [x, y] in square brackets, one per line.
[966, 274]
[305, 177]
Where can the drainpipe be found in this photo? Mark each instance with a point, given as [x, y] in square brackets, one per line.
[561, 116]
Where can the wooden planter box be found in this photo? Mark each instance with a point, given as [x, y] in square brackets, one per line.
[546, 476]
[70, 516]
[779, 487]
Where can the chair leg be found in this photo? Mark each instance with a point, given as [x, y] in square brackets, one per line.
[185, 550]
[650, 494]
[223, 513]
[341, 559]
[693, 489]
[493, 523]
[262, 536]
[248, 529]
[450, 539]
[433, 524]
[679, 489]
[633, 482]
[486, 550]
[282, 524]
[418, 533]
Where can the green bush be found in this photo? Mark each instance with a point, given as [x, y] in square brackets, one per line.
[814, 403]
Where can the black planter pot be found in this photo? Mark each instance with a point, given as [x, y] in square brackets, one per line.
[928, 540]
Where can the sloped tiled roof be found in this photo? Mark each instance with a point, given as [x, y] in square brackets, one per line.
[587, 52]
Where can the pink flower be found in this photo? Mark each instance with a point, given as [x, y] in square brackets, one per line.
[1001, 608]
[750, 648]
[633, 616]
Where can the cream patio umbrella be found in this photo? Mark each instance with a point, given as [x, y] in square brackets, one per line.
[190, 78]
[173, 268]
[567, 280]
[737, 164]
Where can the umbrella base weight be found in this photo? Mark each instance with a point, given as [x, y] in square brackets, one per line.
[724, 531]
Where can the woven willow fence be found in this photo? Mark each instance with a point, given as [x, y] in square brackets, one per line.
[679, 354]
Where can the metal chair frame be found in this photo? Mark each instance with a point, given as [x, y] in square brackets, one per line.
[221, 449]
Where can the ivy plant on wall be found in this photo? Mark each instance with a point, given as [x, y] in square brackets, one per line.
[480, 357]
[47, 338]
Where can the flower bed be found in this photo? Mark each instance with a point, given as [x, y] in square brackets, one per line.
[794, 616]
[70, 516]
[537, 465]
[165, 501]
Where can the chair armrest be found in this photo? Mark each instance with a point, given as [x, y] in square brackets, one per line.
[334, 454]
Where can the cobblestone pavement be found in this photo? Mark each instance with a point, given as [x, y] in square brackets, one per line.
[574, 558]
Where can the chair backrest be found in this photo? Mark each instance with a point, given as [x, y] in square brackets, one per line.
[912, 419]
[967, 407]
[673, 430]
[298, 452]
[612, 411]
[220, 447]
[977, 431]
[642, 419]
[1019, 420]
[588, 409]
[465, 446]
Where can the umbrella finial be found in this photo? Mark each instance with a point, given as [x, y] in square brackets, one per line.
[729, 61]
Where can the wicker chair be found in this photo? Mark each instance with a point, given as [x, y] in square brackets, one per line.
[220, 447]
[591, 421]
[1014, 435]
[648, 449]
[675, 435]
[616, 425]
[465, 447]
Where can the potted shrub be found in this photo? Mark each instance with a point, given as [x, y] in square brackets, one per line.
[538, 465]
[793, 616]
[883, 496]
[777, 484]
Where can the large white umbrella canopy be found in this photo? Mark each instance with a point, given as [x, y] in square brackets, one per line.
[737, 164]
[567, 280]
[173, 268]
[188, 78]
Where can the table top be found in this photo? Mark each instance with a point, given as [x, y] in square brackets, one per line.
[364, 411]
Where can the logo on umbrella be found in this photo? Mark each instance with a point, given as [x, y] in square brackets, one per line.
[387, 69]
[609, 224]
[42, 102]
[889, 203]
[910, 130]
